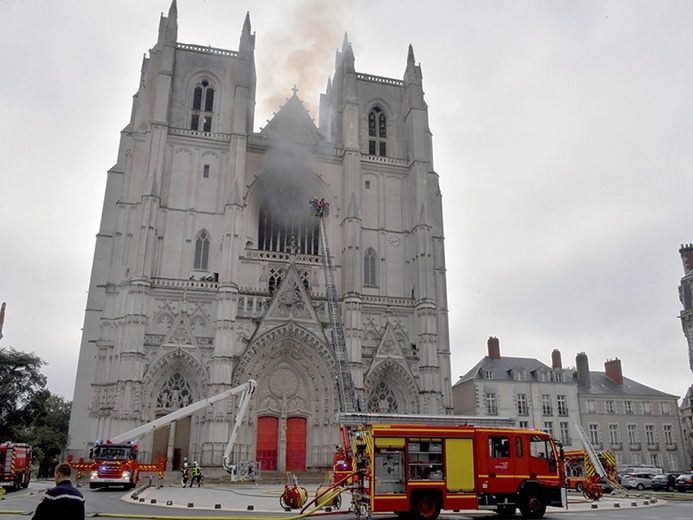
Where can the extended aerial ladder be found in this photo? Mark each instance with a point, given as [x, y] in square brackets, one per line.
[247, 390]
[345, 383]
[594, 458]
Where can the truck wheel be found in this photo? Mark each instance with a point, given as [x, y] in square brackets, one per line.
[579, 487]
[532, 505]
[426, 507]
[505, 511]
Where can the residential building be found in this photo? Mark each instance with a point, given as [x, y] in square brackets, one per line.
[639, 424]
[537, 395]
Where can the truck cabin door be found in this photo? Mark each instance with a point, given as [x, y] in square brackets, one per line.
[501, 466]
[542, 457]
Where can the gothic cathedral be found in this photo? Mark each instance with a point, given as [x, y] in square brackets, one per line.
[207, 270]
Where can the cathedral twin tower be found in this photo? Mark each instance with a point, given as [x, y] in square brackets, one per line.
[207, 270]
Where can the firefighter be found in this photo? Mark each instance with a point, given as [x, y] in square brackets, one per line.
[196, 475]
[185, 474]
[63, 501]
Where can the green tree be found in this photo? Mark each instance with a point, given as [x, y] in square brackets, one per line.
[47, 419]
[20, 381]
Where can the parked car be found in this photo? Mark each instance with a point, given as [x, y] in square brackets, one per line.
[684, 482]
[621, 474]
[637, 481]
[665, 481]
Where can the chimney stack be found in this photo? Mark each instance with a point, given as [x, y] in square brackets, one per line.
[493, 348]
[583, 369]
[556, 362]
[614, 371]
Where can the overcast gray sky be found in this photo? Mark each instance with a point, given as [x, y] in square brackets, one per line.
[562, 135]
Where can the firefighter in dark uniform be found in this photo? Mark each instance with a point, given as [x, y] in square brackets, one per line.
[196, 474]
[63, 501]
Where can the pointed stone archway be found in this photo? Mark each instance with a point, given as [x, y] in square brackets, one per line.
[176, 379]
[295, 374]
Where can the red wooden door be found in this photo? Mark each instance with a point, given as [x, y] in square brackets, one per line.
[267, 436]
[295, 444]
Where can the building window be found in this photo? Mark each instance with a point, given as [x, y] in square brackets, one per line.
[175, 393]
[522, 408]
[543, 377]
[275, 278]
[519, 375]
[610, 406]
[377, 132]
[202, 107]
[523, 424]
[647, 408]
[562, 406]
[635, 458]
[558, 377]
[565, 432]
[205, 171]
[614, 437]
[548, 426]
[546, 405]
[669, 438]
[369, 268]
[666, 409]
[284, 226]
[491, 404]
[591, 406]
[594, 435]
[488, 373]
[650, 437]
[382, 399]
[655, 460]
[628, 406]
[202, 251]
[633, 437]
[368, 185]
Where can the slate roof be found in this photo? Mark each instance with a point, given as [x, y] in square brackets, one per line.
[503, 368]
[601, 385]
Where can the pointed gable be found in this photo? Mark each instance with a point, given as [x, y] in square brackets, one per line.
[181, 332]
[293, 123]
[389, 345]
[290, 302]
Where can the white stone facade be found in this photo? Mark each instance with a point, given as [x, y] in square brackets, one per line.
[207, 272]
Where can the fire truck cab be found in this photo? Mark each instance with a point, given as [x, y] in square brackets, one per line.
[15, 465]
[114, 465]
[419, 470]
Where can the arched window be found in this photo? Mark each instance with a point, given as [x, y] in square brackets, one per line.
[377, 132]
[202, 107]
[202, 251]
[275, 278]
[285, 227]
[382, 399]
[369, 268]
[175, 393]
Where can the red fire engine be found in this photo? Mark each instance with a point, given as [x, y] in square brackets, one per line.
[15, 465]
[114, 462]
[420, 469]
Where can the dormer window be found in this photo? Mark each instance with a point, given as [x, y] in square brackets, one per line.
[488, 373]
[202, 107]
[377, 132]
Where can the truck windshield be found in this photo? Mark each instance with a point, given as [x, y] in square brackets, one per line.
[112, 453]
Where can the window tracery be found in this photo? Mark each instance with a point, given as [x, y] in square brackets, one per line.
[201, 251]
[369, 264]
[202, 107]
[377, 132]
[382, 399]
[175, 393]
